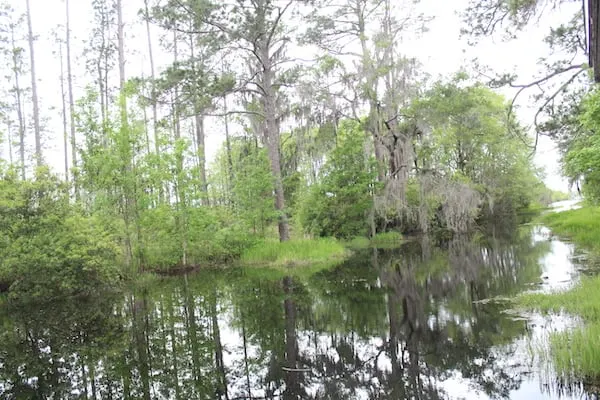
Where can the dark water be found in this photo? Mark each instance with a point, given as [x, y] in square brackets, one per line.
[410, 323]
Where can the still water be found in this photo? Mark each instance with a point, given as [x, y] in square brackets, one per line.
[426, 321]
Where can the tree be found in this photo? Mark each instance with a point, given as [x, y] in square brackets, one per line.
[252, 184]
[15, 55]
[472, 142]
[37, 130]
[70, 92]
[257, 29]
[339, 204]
[152, 77]
[101, 52]
[383, 81]
[64, 110]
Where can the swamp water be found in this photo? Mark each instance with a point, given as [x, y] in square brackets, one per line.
[415, 322]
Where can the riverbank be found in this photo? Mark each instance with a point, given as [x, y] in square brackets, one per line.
[575, 353]
[581, 225]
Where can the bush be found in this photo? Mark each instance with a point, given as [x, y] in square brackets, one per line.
[48, 249]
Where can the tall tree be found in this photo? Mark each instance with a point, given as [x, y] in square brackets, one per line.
[382, 80]
[153, 77]
[18, 68]
[64, 110]
[121, 52]
[258, 30]
[70, 93]
[34, 93]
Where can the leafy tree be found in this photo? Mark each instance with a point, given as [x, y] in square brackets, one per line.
[472, 140]
[339, 204]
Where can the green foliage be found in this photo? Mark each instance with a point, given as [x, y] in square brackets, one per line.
[472, 142]
[48, 249]
[557, 195]
[253, 188]
[581, 160]
[582, 225]
[294, 252]
[338, 205]
[246, 185]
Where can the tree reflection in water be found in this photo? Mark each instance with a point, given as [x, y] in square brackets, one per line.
[383, 325]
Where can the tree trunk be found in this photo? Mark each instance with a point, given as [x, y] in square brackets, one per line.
[272, 139]
[153, 76]
[19, 100]
[34, 94]
[121, 51]
[201, 157]
[9, 134]
[64, 112]
[199, 118]
[71, 101]
[228, 149]
[176, 121]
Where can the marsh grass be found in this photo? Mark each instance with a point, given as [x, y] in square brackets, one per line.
[359, 243]
[387, 240]
[384, 240]
[575, 352]
[303, 252]
[581, 225]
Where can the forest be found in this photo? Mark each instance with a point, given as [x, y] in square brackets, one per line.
[295, 199]
[351, 139]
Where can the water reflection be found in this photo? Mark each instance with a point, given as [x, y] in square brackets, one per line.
[410, 323]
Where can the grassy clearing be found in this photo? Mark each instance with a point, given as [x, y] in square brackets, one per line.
[581, 225]
[575, 352]
[294, 252]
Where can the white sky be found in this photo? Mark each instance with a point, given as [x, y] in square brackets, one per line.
[440, 50]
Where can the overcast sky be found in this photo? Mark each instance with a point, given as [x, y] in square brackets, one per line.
[441, 51]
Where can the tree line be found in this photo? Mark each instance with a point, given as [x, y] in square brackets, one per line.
[350, 141]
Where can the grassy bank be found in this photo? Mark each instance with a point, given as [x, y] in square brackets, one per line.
[575, 353]
[581, 225]
[294, 252]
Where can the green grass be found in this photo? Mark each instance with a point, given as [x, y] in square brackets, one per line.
[294, 252]
[385, 240]
[575, 352]
[359, 243]
[581, 225]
